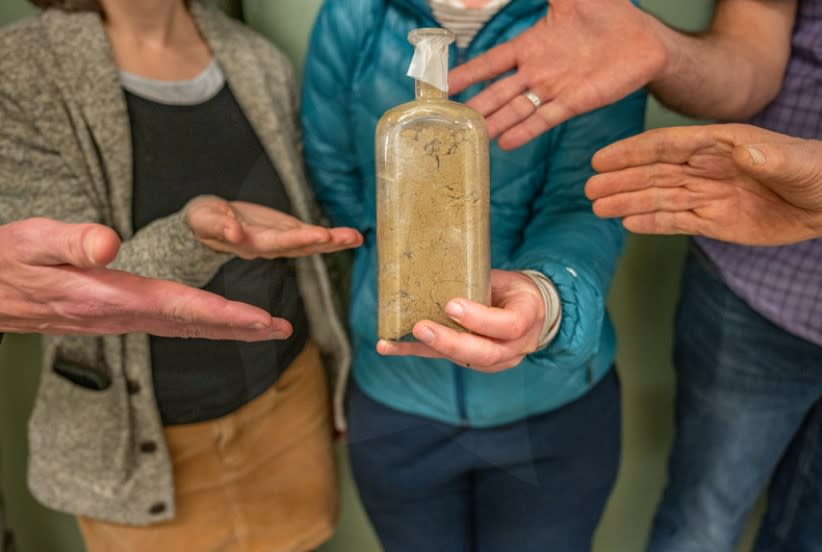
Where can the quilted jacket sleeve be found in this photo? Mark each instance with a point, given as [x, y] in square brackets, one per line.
[565, 241]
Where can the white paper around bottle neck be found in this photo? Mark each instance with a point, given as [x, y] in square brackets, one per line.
[430, 64]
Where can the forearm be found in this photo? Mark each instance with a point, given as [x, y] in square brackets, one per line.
[711, 77]
[734, 69]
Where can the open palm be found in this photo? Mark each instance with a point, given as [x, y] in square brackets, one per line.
[581, 56]
[253, 231]
[735, 183]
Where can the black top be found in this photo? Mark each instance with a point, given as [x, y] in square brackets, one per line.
[181, 152]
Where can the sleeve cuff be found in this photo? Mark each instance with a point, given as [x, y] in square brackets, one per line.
[553, 307]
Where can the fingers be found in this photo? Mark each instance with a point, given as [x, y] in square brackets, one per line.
[472, 351]
[437, 341]
[498, 94]
[490, 64]
[101, 243]
[406, 348]
[46, 242]
[664, 145]
[502, 334]
[171, 309]
[648, 201]
[674, 145]
[540, 121]
[302, 241]
[260, 215]
[278, 241]
[212, 218]
[345, 237]
[519, 122]
[666, 223]
[508, 324]
[651, 188]
[659, 175]
[232, 231]
[509, 115]
[764, 162]
[194, 313]
[270, 233]
[100, 301]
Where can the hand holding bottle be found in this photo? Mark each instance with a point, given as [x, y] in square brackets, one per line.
[503, 334]
[253, 231]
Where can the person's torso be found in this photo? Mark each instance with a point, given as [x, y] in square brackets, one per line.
[180, 152]
[438, 388]
[71, 116]
[784, 283]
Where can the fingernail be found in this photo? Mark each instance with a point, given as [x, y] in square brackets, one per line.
[383, 347]
[454, 309]
[260, 325]
[89, 246]
[279, 335]
[757, 156]
[426, 335]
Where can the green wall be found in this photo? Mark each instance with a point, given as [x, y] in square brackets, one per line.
[642, 302]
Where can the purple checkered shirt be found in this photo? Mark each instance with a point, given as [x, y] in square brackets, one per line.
[784, 284]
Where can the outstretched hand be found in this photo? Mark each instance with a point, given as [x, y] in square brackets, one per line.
[582, 56]
[503, 334]
[53, 280]
[735, 183]
[253, 231]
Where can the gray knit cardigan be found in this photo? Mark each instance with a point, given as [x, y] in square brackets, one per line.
[65, 153]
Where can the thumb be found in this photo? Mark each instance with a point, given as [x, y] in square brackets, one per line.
[213, 218]
[51, 243]
[786, 166]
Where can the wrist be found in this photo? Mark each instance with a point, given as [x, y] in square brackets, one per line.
[669, 51]
[552, 307]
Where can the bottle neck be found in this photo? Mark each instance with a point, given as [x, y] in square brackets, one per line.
[427, 92]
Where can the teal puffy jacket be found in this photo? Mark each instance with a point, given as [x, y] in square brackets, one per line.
[540, 218]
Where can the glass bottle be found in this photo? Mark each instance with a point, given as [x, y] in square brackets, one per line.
[432, 198]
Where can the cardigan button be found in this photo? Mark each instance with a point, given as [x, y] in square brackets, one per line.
[157, 509]
[148, 447]
[132, 387]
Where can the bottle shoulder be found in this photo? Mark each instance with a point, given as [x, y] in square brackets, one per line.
[445, 112]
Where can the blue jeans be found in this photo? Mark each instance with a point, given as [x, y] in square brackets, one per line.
[747, 402]
[793, 521]
[536, 485]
